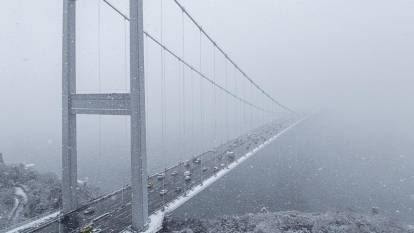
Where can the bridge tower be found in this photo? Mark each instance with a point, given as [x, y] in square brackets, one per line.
[132, 104]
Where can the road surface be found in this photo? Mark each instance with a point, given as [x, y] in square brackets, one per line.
[112, 213]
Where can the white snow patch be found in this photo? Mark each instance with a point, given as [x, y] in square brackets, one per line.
[18, 191]
[29, 165]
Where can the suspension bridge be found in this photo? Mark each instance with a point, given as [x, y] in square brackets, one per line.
[229, 111]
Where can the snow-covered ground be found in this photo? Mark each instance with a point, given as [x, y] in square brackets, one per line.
[289, 222]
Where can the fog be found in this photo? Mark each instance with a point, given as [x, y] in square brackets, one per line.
[350, 61]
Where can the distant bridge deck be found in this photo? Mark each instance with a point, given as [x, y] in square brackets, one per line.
[167, 190]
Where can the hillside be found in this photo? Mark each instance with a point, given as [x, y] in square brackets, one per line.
[26, 193]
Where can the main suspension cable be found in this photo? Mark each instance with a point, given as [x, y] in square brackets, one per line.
[229, 59]
[186, 64]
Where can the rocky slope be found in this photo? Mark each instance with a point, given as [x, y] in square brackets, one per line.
[289, 222]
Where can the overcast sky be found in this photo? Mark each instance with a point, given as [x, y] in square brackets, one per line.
[307, 54]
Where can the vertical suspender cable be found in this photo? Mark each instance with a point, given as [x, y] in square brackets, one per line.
[226, 101]
[242, 109]
[183, 89]
[194, 141]
[233, 113]
[201, 93]
[238, 112]
[162, 95]
[236, 107]
[99, 86]
[239, 106]
[255, 113]
[99, 47]
[249, 112]
[201, 106]
[126, 90]
[180, 112]
[183, 79]
[214, 99]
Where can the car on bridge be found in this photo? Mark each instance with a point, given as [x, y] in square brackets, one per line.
[89, 229]
[163, 192]
[89, 211]
[196, 160]
[86, 229]
[231, 155]
[161, 176]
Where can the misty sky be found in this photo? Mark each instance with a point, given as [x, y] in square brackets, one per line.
[307, 54]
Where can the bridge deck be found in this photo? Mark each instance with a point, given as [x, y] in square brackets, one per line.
[112, 212]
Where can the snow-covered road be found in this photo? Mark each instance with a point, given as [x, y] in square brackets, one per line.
[20, 200]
